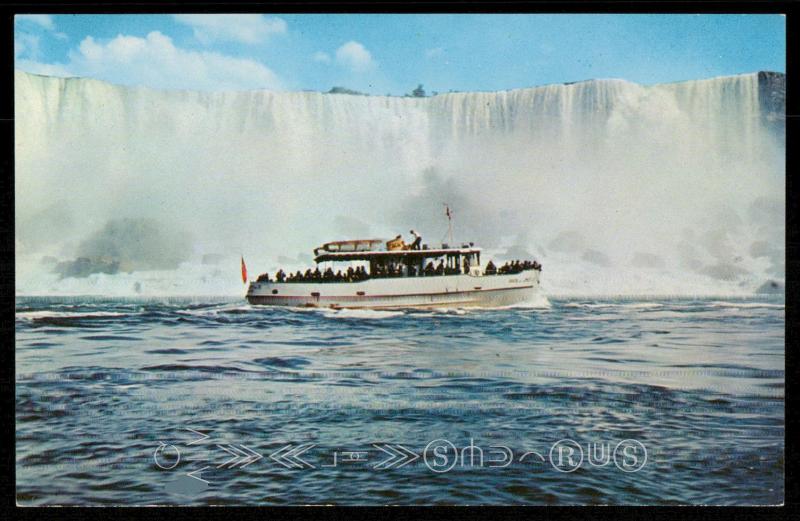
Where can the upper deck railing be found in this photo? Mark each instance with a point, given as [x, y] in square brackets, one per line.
[394, 254]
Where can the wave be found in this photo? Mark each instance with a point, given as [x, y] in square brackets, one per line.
[604, 305]
[216, 310]
[369, 314]
[746, 305]
[34, 315]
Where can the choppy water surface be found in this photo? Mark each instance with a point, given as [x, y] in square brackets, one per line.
[107, 391]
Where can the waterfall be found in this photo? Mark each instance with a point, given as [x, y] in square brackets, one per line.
[616, 187]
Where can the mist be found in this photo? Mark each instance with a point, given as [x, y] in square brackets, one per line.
[617, 188]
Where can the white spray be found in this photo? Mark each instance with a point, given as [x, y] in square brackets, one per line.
[614, 186]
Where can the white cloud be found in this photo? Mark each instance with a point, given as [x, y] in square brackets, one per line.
[322, 57]
[26, 44]
[244, 28]
[154, 61]
[45, 69]
[44, 20]
[355, 56]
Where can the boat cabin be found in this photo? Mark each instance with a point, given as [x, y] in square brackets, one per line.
[411, 263]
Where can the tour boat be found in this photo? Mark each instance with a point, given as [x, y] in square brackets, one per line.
[369, 273]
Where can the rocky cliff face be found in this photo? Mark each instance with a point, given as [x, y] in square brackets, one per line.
[772, 99]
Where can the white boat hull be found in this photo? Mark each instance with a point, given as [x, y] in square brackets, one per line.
[433, 291]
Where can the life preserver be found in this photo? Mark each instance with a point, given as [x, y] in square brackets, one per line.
[395, 244]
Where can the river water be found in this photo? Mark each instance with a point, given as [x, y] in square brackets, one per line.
[216, 402]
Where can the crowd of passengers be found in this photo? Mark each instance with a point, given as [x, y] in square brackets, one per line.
[350, 275]
[381, 271]
[512, 267]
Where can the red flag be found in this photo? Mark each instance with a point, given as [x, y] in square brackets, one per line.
[244, 272]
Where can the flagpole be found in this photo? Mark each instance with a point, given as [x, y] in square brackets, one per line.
[450, 229]
[449, 222]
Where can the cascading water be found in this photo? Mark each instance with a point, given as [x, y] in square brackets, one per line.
[616, 187]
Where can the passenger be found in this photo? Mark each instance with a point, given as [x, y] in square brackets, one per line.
[417, 240]
[491, 269]
[440, 268]
[466, 266]
[351, 274]
[280, 276]
[429, 269]
[298, 276]
[328, 276]
[339, 276]
[307, 275]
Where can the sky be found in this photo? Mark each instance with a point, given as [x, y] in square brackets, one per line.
[392, 54]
